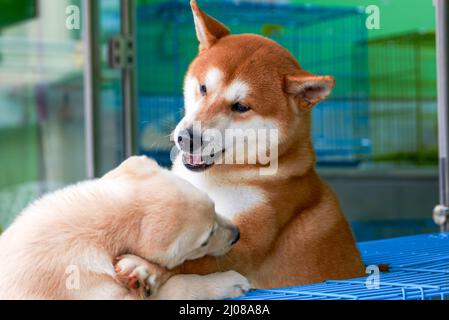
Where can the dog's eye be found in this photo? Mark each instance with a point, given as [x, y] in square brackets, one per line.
[203, 90]
[240, 108]
[205, 243]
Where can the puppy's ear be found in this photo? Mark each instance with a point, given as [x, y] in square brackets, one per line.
[139, 167]
[208, 30]
[308, 89]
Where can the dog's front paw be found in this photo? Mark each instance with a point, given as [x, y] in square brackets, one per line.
[232, 285]
[140, 276]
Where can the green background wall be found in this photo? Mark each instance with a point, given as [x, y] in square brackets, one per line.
[396, 15]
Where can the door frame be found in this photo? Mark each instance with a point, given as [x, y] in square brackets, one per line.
[92, 84]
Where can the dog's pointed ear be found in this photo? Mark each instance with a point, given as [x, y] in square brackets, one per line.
[308, 89]
[208, 30]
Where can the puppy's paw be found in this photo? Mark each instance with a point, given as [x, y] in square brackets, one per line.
[140, 276]
[231, 285]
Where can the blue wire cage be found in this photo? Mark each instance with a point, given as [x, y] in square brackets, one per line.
[326, 40]
[418, 270]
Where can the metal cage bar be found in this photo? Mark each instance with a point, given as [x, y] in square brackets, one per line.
[442, 34]
[127, 24]
[91, 86]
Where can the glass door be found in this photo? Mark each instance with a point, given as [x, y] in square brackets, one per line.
[41, 98]
[109, 77]
[51, 129]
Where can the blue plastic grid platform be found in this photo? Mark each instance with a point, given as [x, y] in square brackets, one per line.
[419, 270]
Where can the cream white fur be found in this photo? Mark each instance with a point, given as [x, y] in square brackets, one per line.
[203, 287]
[81, 229]
[200, 31]
[221, 193]
[237, 90]
[213, 80]
[191, 87]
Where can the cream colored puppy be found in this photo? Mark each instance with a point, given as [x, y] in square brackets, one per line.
[63, 245]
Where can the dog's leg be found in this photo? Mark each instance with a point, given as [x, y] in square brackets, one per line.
[104, 288]
[142, 277]
[138, 274]
[215, 286]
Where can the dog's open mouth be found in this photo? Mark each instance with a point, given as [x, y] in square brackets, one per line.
[195, 162]
[198, 162]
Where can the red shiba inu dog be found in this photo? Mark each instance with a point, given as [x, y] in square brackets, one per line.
[292, 229]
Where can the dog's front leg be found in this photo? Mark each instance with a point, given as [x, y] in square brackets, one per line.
[149, 281]
[215, 286]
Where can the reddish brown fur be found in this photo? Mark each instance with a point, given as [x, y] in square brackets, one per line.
[299, 235]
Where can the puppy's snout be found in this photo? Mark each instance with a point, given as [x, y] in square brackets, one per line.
[235, 235]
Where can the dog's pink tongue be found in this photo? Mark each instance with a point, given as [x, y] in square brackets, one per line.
[194, 159]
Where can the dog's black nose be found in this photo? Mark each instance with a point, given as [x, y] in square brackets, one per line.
[236, 233]
[185, 139]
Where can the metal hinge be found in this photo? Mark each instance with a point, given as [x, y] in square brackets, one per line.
[440, 214]
[121, 52]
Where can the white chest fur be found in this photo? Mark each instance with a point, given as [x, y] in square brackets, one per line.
[230, 200]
